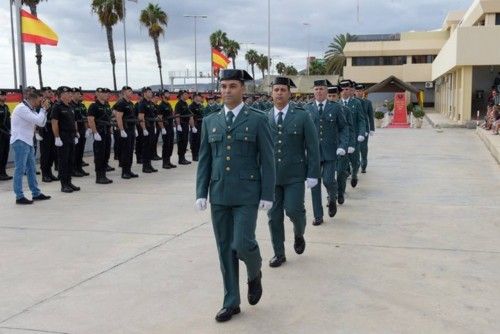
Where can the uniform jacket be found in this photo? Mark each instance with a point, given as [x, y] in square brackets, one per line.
[358, 115]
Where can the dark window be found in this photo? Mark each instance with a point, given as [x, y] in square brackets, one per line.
[378, 61]
[422, 59]
[497, 19]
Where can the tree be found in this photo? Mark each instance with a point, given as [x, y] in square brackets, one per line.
[280, 68]
[155, 20]
[231, 48]
[291, 70]
[262, 64]
[109, 13]
[252, 57]
[334, 56]
[317, 67]
[218, 39]
[32, 4]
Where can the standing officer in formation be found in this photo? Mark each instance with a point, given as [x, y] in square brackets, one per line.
[166, 114]
[126, 122]
[359, 125]
[100, 123]
[196, 109]
[48, 152]
[147, 120]
[156, 101]
[184, 121]
[370, 124]
[65, 134]
[82, 126]
[109, 112]
[333, 134]
[212, 106]
[237, 166]
[296, 152]
[4, 136]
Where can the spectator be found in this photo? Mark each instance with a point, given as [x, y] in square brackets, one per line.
[496, 123]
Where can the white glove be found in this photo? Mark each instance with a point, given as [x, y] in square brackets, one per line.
[179, 128]
[136, 133]
[38, 137]
[361, 139]
[97, 136]
[351, 150]
[76, 140]
[123, 134]
[163, 131]
[311, 183]
[145, 133]
[200, 204]
[88, 133]
[194, 130]
[59, 142]
[372, 133]
[341, 152]
[366, 134]
[265, 205]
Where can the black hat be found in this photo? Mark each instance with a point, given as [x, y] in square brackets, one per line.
[126, 88]
[145, 89]
[107, 90]
[179, 94]
[100, 90]
[76, 90]
[64, 89]
[210, 97]
[240, 75]
[333, 90]
[345, 84]
[46, 88]
[283, 81]
[31, 88]
[2, 92]
[359, 86]
[323, 82]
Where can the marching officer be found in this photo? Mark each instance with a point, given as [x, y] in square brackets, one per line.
[64, 128]
[296, 151]
[48, 152]
[184, 121]
[126, 122]
[333, 134]
[158, 132]
[166, 114]
[81, 120]
[370, 124]
[107, 96]
[359, 125]
[196, 109]
[237, 167]
[147, 120]
[100, 123]
[4, 136]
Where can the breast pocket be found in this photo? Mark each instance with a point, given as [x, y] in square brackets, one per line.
[215, 141]
[244, 143]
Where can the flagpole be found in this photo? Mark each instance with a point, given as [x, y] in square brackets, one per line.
[20, 45]
[125, 39]
[14, 63]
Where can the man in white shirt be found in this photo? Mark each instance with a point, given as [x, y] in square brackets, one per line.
[24, 120]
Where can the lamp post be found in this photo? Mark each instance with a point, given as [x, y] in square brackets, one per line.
[195, 17]
[307, 25]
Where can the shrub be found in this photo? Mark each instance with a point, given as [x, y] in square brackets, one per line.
[418, 112]
[379, 114]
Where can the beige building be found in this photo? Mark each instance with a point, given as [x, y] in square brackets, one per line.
[455, 65]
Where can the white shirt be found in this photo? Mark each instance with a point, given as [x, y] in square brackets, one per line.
[345, 102]
[276, 113]
[321, 102]
[235, 111]
[23, 123]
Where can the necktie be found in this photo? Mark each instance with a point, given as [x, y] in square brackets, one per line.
[345, 103]
[229, 118]
[280, 118]
[320, 108]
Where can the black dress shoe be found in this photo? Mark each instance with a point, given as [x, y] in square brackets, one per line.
[75, 188]
[5, 177]
[54, 178]
[84, 172]
[133, 175]
[255, 290]
[341, 199]
[277, 261]
[154, 169]
[46, 179]
[126, 176]
[84, 164]
[147, 170]
[332, 208]
[41, 197]
[227, 313]
[66, 189]
[184, 162]
[103, 180]
[77, 174]
[37, 173]
[109, 169]
[363, 170]
[172, 165]
[317, 221]
[299, 245]
[156, 158]
[354, 183]
[23, 201]
[166, 166]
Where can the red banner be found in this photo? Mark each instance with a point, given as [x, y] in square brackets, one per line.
[400, 116]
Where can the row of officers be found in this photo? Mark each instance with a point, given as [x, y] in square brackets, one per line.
[251, 160]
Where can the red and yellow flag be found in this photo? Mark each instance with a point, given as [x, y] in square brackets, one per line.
[35, 31]
[219, 59]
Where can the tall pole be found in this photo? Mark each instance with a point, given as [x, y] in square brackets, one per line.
[308, 45]
[13, 43]
[195, 17]
[20, 45]
[269, 42]
[125, 39]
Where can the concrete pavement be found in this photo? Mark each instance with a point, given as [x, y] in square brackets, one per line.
[414, 249]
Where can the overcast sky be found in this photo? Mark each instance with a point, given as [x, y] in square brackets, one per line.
[82, 56]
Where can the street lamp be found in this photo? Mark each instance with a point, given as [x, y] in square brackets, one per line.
[308, 25]
[195, 17]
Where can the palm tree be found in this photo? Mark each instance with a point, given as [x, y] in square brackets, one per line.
[317, 67]
[155, 19]
[252, 57]
[231, 48]
[334, 56]
[32, 4]
[262, 64]
[280, 68]
[291, 70]
[218, 39]
[109, 13]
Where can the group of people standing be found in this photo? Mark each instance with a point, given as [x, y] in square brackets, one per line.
[252, 159]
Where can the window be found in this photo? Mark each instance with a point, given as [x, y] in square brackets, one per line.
[497, 19]
[378, 61]
[422, 59]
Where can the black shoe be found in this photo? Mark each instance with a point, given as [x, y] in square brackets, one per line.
[109, 168]
[54, 178]
[75, 188]
[166, 166]
[341, 199]
[84, 164]
[277, 261]
[41, 197]
[226, 314]
[172, 165]
[363, 170]
[184, 162]
[23, 201]
[354, 183]
[103, 180]
[255, 290]
[77, 173]
[147, 170]
[317, 221]
[37, 173]
[156, 158]
[299, 245]
[133, 175]
[5, 177]
[66, 189]
[154, 170]
[126, 176]
[46, 179]
[83, 172]
[332, 208]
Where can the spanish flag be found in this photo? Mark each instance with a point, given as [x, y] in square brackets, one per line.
[35, 31]
[219, 59]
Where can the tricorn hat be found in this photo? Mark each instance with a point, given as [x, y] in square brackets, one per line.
[322, 82]
[283, 81]
[229, 74]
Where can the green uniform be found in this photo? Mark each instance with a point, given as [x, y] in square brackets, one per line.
[211, 109]
[370, 126]
[236, 170]
[333, 133]
[296, 151]
[343, 162]
[359, 124]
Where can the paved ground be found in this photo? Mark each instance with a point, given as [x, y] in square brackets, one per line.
[415, 249]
